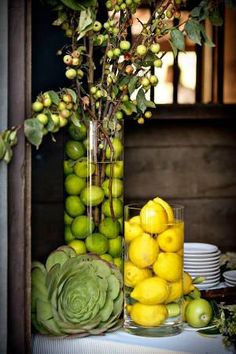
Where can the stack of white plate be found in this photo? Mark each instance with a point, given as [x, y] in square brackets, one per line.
[202, 259]
[230, 277]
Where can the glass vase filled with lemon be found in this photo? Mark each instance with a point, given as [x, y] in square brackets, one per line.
[153, 268]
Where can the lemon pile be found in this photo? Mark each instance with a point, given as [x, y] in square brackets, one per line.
[154, 267]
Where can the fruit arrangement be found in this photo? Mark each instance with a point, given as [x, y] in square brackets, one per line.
[75, 295]
[93, 216]
[153, 269]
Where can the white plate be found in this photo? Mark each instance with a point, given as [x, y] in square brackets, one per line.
[204, 286]
[200, 260]
[230, 275]
[195, 266]
[198, 247]
[207, 277]
[230, 284]
[201, 256]
[205, 263]
[205, 272]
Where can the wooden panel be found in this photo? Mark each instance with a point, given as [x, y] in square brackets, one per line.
[47, 229]
[188, 172]
[164, 133]
[3, 177]
[18, 311]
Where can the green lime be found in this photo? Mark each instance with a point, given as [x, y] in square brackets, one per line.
[109, 227]
[115, 246]
[74, 149]
[117, 187]
[118, 169]
[67, 219]
[107, 257]
[83, 168]
[121, 221]
[117, 147]
[68, 167]
[92, 195]
[86, 143]
[77, 133]
[74, 206]
[117, 208]
[82, 226]
[97, 243]
[118, 261]
[68, 234]
[78, 246]
[74, 184]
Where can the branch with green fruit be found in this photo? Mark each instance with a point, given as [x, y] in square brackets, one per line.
[116, 85]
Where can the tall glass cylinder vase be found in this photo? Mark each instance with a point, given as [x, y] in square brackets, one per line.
[153, 269]
[93, 170]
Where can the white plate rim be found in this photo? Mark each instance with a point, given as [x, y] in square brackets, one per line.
[199, 247]
[202, 267]
[204, 275]
[227, 274]
[202, 255]
[198, 259]
[203, 286]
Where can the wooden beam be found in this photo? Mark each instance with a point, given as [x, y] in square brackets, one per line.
[3, 176]
[19, 178]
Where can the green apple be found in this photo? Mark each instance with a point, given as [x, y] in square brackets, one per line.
[125, 45]
[42, 118]
[141, 50]
[37, 106]
[70, 74]
[155, 48]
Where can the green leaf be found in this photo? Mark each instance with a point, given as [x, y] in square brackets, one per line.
[85, 22]
[73, 94]
[51, 125]
[124, 81]
[215, 17]
[177, 39]
[59, 21]
[141, 100]
[149, 59]
[54, 97]
[150, 104]
[75, 118]
[206, 39]
[128, 107]
[73, 4]
[132, 84]
[196, 11]
[174, 49]
[8, 153]
[2, 148]
[33, 131]
[193, 30]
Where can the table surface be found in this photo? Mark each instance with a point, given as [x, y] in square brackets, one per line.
[121, 342]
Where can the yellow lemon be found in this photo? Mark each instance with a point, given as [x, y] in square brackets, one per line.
[187, 283]
[151, 291]
[172, 239]
[153, 218]
[132, 230]
[148, 315]
[143, 250]
[135, 219]
[175, 291]
[167, 208]
[134, 275]
[169, 266]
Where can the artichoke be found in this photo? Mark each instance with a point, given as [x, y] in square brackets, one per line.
[75, 294]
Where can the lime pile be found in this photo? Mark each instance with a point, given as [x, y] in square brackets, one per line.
[92, 224]
[153, 271]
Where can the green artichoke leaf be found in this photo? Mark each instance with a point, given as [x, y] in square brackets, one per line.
[37, 325]
[68, 250]
[102, 268]
[107, 310]
[43, 311]
[113, 286]
[52, 327]
[118, 304]
[57, 256]
[115, 270]
[36, 264]
[38, 284]
[114, 326]
[52, 279]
